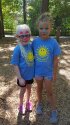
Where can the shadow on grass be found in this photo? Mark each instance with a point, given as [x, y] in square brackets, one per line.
[62, 88]
[23, 119]
[4, 121]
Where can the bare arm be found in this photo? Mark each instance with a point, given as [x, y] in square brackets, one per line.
[56, 60]
[17, 71]
[21, 80]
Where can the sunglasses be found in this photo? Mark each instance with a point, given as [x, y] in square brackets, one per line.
[26, 35]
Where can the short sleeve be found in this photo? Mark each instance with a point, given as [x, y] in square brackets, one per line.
[15, 56]
[57, 49]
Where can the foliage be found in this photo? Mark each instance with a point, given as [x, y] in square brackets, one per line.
[60, 11]
[33, 8]
[13, 13]
[10, 10]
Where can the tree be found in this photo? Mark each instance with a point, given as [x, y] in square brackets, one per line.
[45, 6]
[60, 11]
[33, 12]
[24, 10]
[1, 22]
[27, 11]
[11, 11]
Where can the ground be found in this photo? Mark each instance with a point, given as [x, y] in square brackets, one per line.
[9, 91]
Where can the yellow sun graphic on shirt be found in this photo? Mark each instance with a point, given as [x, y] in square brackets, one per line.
[42, 53]
[30, 57]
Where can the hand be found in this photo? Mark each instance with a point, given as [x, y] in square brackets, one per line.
[21, 81]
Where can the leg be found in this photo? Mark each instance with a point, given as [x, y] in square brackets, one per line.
[39, 88]
[52, 101]
[39, 95]
[28, 90]
[50, 94]
[21, 95]
[28, 103]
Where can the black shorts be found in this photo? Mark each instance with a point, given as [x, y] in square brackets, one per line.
[26, 82]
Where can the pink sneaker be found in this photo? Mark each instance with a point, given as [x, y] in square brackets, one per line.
[29, 106]
[21, 109]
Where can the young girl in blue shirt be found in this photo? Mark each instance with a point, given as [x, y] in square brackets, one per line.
[23, 62]
[46, 53]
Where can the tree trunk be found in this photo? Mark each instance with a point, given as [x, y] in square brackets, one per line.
[45, 6]
[58, 22]
[1, 23]
[58, 33]
[24, 10]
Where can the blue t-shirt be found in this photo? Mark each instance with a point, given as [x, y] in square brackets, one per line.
[44, 52]
[26, 65]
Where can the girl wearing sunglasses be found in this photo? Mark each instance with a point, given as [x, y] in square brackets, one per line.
[23, 62]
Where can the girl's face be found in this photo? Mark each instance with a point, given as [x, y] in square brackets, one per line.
[44, 29]
[24, 37]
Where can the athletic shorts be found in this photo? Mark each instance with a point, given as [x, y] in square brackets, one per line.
[44, 77]
[26, 82]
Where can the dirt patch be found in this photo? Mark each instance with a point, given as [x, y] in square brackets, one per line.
[9, 91]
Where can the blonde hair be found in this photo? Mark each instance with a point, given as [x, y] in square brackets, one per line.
[44, 18]
[22, 28]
